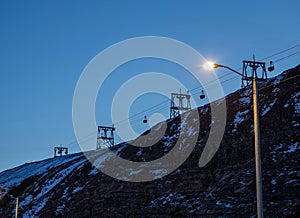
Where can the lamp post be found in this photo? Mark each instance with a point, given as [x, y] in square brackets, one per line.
[256, 137]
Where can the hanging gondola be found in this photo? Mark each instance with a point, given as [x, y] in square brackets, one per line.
[202, 96]
[271, 67]
[145, 119]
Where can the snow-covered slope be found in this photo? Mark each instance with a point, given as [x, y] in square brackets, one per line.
[70, 186]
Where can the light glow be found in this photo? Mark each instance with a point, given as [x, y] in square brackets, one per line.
[209, 66]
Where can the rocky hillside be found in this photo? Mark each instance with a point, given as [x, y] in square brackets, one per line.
[70, 186]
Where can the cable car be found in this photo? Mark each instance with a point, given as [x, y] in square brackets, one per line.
[202, 96]
[145, 119]
[271, 67]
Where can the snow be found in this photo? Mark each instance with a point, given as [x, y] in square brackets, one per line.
[277, 79]
[296, 99]
[58, 178]
[159, 173]
[60, 208]
[278, 147]
[170, 140]
[203, 110]
[140, 152]
[172, 199]
[219, 203]
[77, 189]
[103, 155]
[45, 192]
[273, 182]
[297, 107]
[26, 201]
[268, 108]
[286, 105]
[14, 177]
[94, 171]
[191, 131]
[275, 91]
[245, 100]
[134, 172]
[36, 209]
[239, 118]
[293, 148]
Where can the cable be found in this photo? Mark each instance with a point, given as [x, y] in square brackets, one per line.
[286, 57]
[135, 117]
[282, 81]
[211, 82]
[278, 53]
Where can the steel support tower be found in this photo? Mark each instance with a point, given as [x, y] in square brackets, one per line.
[58, 151]
[105, 137]
[183, 104]
[257, 70]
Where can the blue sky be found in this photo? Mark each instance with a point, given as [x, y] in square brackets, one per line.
[45, 45]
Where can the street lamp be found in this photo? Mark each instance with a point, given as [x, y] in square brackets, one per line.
[256, 133]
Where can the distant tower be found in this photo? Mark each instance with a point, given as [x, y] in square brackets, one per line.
[184, 104]
[105, 137]
[58, 151]
[254, 72]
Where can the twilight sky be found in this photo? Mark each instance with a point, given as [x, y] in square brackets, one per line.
[45, 45]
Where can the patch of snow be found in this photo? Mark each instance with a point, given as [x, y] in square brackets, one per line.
[173, 127]
[274, 203]
[286, 105]
[245, 100]
[191, 131]
[159, 173]
[26, 201]
[170, 140]
[15, 176]
[268, 108]
[297, 107]
[275, 91]
[278, 146]
[292, 181]
[60, 208]
[173, 199]
[50, 184]
[134, 172]
[105, 155]
[296, 99]
[203, 110]
[119, 150]
[242, 183]
[77, 189]
[140, 152]
[94, 171]
[295, 123]
[293, 148]
[36, 209]
[227, 205]
[273, 182]
[277, 79]
[239, 118]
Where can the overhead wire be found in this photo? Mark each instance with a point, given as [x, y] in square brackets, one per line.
[158, 107]
[281, 52]
[211, 82]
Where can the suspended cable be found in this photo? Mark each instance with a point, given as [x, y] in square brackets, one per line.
[165, 104]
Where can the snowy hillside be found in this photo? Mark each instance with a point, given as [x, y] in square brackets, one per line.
[70, 186]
